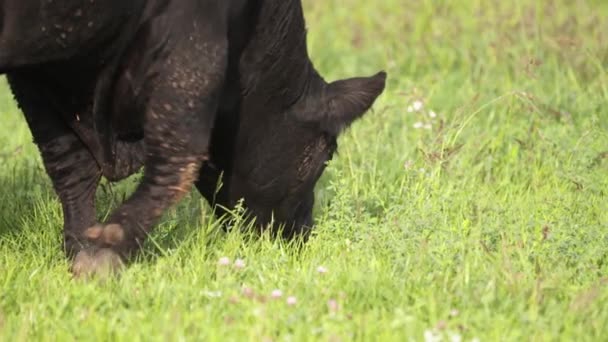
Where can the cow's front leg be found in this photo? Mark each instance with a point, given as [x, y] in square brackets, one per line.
[178, 123]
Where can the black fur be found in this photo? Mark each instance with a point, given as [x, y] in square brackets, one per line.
[178, 87]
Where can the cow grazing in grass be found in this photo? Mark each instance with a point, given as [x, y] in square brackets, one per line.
[188, 89]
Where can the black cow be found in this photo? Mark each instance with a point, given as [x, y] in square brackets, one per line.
[185, 88]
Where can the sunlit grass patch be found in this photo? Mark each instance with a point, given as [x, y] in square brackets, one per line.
[469, 204]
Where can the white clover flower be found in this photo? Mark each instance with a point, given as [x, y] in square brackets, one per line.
[213, 294]
[333, 305]
[408, 164]
[276, 294]
[431, 336]
[224, 261]
[247, 292]
[291, 300]
[455, 337]
[239, 263]
[417, 105]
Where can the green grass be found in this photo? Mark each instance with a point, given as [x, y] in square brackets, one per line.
[493, 224]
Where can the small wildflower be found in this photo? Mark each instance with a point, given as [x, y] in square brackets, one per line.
[333, 305]
[291, 301]
[417, 105]
[408, 164]
[224, 261]
[276, 294]
[239, 263]
[321, 269]
[431, 336]
[410, 109]
[213, 294]
[454, 337]
[454, 312]
[432, 114]
[428, 126]
[418, 125]
[247, 292]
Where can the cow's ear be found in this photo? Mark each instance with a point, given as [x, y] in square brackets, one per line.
[349, 99]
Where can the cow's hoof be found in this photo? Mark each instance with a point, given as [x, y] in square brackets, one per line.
[100, 263]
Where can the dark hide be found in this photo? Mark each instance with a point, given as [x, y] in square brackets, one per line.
[273, 146]
[108, 86]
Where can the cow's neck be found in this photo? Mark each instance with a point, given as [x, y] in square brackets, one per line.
[275, 63]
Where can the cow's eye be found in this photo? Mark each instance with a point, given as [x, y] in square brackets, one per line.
[312, 157]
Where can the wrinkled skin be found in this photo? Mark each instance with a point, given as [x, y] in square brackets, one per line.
[190, 89]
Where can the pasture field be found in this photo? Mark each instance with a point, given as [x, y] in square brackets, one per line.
[471, 204]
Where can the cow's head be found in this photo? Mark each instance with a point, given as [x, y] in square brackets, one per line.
[280, 156]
